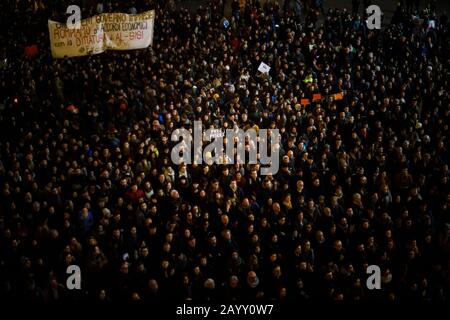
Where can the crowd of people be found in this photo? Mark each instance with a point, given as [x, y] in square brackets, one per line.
[87, 179]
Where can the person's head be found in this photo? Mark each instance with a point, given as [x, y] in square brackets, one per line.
[365, 224]
[252, 279]
[69, 259]
[273, 257]
[307, 246]
[144, 252]
[320, 238]
[165, 264]
[84, 213]
[213, 240]
[124, 268]
[209, 284]
[308, 228]
[153, 286]
[102, 295]
[166, 247]
[192, 242]
[360, 247]
[264, 223]
[339, 296]
[234, 282]
[316, 182]
[226, 234]
[274, 238]
[235, 255]
[224, 219]
[337, 245]
[276, 271]
[186, 280]
[276, 207]
[116, 234]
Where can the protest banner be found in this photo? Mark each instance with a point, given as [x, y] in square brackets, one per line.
[338, 96]
[107, 31]
[264, 68]
[216, 133]
[31, 51]
[304, 102]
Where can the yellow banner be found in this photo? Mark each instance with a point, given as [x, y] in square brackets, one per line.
[106, 31]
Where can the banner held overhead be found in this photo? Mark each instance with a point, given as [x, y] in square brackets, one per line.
[107, 31]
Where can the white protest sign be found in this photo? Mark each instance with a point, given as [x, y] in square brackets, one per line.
[264, 68]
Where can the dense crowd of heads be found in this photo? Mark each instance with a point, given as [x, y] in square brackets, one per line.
[86, 176]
